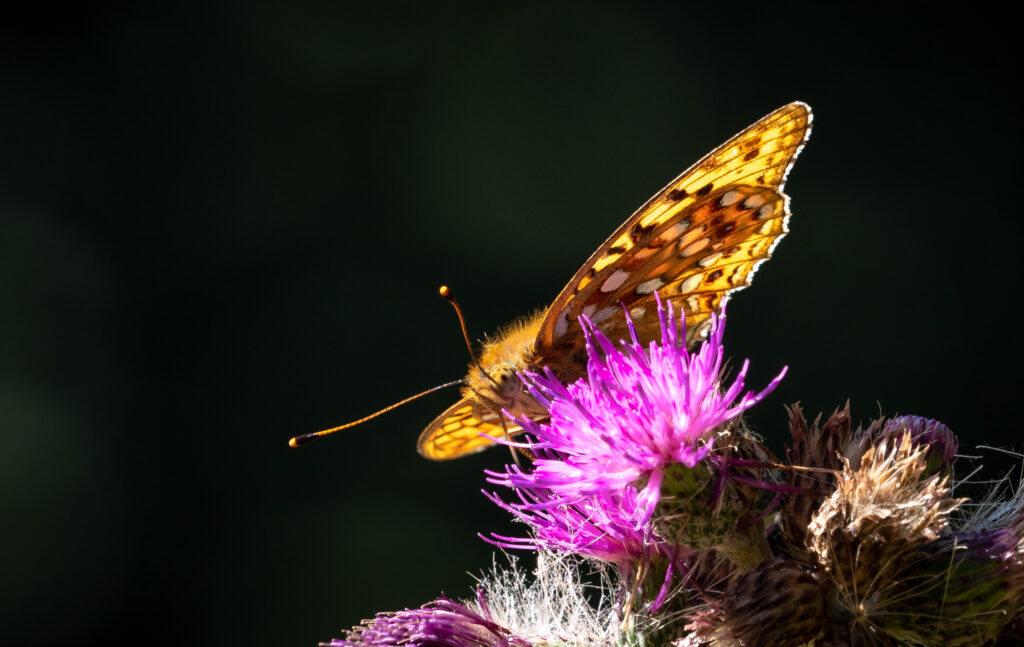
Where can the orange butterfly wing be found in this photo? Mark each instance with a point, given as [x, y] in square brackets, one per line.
[457, 432]
[695, 242]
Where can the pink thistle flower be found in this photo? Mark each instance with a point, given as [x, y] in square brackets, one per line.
[605, 526]
[639, 411]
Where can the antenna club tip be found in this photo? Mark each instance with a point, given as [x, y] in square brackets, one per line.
[445, 291]
[293, 442]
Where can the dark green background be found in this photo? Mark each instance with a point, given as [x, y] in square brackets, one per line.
[225, 224]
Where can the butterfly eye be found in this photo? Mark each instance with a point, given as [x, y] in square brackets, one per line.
[506, 382]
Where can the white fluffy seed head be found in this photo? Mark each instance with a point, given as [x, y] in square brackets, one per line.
[552, 606]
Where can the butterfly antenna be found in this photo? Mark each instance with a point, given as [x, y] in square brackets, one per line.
[298, 441]
[446, 292]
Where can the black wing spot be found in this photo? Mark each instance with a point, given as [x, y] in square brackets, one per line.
[637, 231]
[724, 230]
[675, 195]
[706, 189]
[751, 155]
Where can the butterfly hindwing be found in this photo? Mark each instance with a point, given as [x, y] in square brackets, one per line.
[463, 428]
[697, 240]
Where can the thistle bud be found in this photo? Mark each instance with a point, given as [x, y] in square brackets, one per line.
[820, 448]
[925, 432]
[777, 603]
[960, 590]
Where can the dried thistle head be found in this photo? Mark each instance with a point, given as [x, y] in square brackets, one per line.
[819, 448]
[818, 445]
[866, 534]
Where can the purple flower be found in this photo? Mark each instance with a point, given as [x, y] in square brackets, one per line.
[441, 623]
[939, 439]
[608, 526]
[639, 411]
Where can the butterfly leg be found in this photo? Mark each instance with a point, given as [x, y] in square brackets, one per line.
[515, 450]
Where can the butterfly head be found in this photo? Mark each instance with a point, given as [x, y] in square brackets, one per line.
[499, 387]
[505, 382]
[495, 382]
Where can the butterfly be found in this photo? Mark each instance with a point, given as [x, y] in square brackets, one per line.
[693, 243]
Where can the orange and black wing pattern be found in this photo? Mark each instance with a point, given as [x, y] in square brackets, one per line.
[695, 242]
[464, 428]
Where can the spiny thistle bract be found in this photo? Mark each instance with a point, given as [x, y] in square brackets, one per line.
[645, 472]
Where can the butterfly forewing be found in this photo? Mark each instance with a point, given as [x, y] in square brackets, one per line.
[694, 261]
[697, 240]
